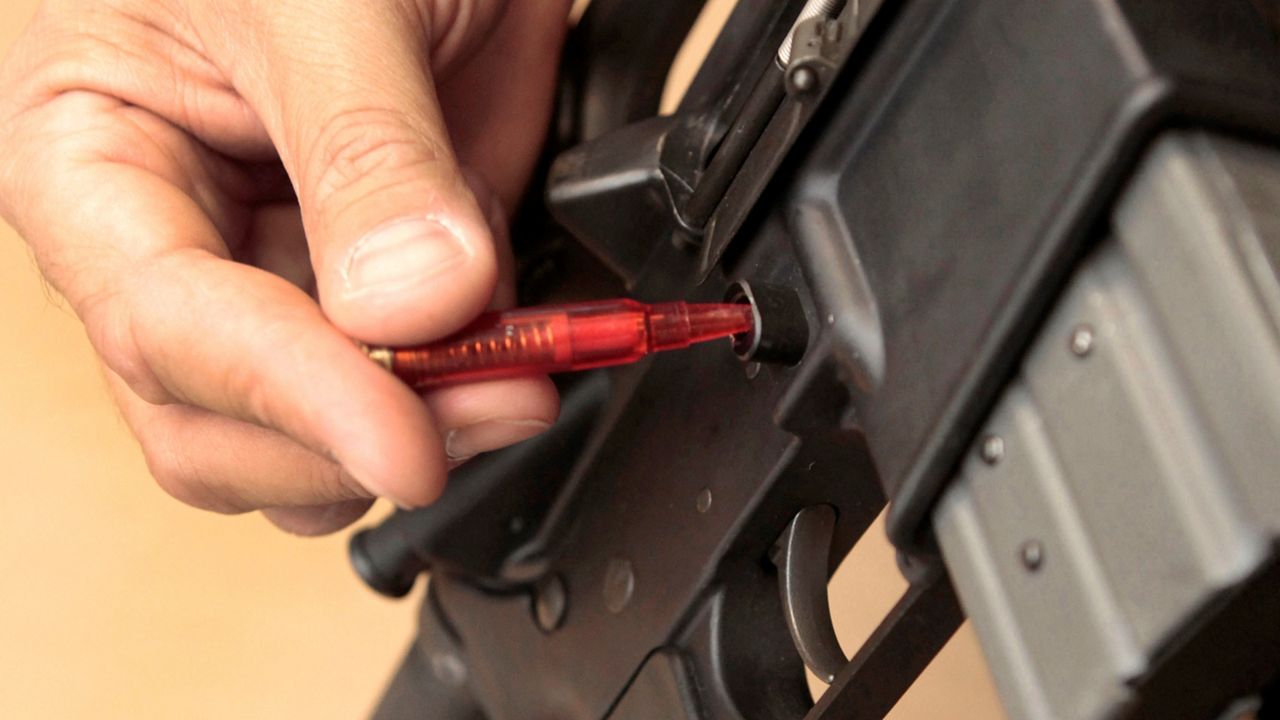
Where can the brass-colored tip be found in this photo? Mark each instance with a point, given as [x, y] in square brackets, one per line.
[380, 355]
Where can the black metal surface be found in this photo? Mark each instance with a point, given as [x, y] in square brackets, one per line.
[664, 687]
[955, 183]
[923, 207]
[1270, 701]
[633, 173]
[433, 681]
[610, 87]
[856, 26]
[1233, 652]
[801, 557]
[493, 504]
[620, 189]
[669, 544]
[761, 104]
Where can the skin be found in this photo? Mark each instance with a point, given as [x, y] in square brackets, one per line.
[231, 193]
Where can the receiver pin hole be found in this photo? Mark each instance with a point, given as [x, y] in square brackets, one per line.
[781, 332]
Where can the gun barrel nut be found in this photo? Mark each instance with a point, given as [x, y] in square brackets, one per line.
[781, 332]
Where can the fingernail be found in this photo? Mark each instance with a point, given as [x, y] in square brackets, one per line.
[402, 254]
[364, 481]
[466, 442]
[377, 490]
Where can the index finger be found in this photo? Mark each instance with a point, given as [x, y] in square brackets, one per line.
[144, 266]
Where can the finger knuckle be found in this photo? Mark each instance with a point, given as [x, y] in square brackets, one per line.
[253, 386]
[109, 325]
[68, 46]
[327, 483]
[9, 146]
[360, 147]
[169, 472]
[250, 395]
[457, 26]
[175, 474]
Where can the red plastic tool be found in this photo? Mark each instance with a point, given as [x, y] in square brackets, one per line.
[559, 338]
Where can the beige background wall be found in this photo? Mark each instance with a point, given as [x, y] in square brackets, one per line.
[117, 602]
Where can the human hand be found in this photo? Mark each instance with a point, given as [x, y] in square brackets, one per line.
[190, 173]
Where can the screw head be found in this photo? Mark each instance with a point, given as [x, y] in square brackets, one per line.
[804, 79]
[550, 602]
[703, 503]
[619, 584]
[991, 449]
[1032, 555]
[1082, 339]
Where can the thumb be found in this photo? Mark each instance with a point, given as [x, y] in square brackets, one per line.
[402, 252]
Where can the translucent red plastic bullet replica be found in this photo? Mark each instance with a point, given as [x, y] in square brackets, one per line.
[560, 338]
